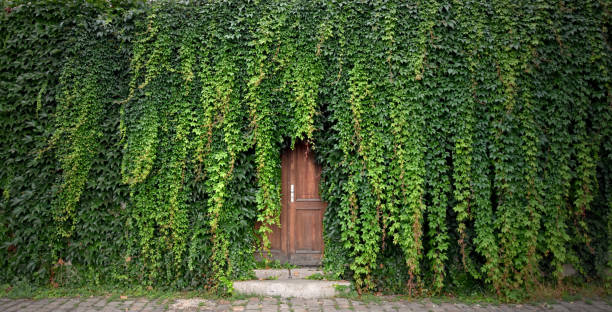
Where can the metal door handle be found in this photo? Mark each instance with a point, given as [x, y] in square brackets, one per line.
[292, 193]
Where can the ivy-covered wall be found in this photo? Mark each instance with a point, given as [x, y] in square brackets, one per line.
[462, 142]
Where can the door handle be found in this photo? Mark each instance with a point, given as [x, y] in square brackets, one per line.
[292, 193]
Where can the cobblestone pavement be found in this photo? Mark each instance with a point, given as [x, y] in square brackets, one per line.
[279, 304]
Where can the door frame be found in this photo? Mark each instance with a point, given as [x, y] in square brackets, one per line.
[284, 247]
[290, 177]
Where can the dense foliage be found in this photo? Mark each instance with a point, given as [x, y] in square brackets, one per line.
[462, 142]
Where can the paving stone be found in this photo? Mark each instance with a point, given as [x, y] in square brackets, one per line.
[100, 303]
[42, 302]
[10, 304]
[89, 302]
[328, 302]
[295, 302]
[270, 304]
[240, 302]
[53, 304]
[602, 305]
[252, 304]
[223, 307]
[312, 302]
[252, 307]
[355, 303]
[384, 307]
[69, 305]
[342, 302]
[139, 304]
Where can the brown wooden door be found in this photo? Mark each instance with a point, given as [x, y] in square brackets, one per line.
[299, 240]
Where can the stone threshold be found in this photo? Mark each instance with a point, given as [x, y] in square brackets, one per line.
[290, 283]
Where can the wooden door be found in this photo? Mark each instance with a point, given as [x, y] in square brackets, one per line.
[299, 240]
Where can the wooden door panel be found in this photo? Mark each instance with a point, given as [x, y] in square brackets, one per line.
[307, 174]
[307, 234]
[306, 210]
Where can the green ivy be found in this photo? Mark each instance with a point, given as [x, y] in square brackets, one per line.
[458, 140]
